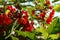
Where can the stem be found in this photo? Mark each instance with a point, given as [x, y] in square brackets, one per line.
[14, 24]
[17, 26]
[8, 35]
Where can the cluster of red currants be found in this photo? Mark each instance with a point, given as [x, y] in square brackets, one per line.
[49, 19]
[22, 16]
[43, 13]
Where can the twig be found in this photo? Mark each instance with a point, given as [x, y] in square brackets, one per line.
[14, 24]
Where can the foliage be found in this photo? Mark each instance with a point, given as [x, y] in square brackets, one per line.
[28, 22]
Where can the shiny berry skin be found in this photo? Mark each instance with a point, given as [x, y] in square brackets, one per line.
[24, 13]
[24, 18]
[7, 21]
[52, 13]
[48, 2]
[49, 20]
[13, 10]
[50, 7]
[42, 15]
[22, 21]
[53, 10]
[28, 27]
[9, 7]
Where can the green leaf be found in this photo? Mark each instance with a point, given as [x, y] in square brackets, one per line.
[54, 1]
[26, 34]
[1, 0]
[59, 20]
[42, 1]
[52, 25]
[11, 0]
[30, 13]
[30, 35]
[45, 35]
[41, 6]
[54, 36]
[14, 38]
[40, 29]
[43, 31]
[57, 7]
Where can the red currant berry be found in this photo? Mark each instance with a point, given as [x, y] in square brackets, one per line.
[48, 2]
